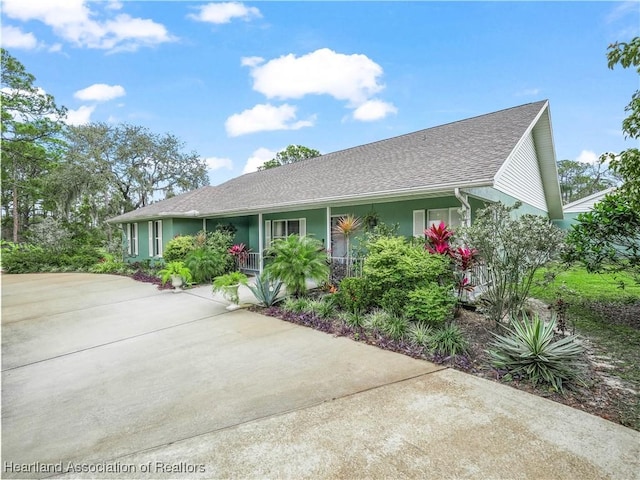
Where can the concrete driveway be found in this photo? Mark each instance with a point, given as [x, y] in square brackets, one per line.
[104, 377]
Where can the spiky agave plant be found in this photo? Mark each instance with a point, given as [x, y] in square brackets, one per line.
[530, 350]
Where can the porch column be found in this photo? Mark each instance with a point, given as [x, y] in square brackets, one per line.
[328, 244]
[260, 241]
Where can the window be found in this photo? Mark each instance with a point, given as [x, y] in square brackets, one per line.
[155, 238]
[275, 229]
[132, 239]
[450, 216]
[418, 223]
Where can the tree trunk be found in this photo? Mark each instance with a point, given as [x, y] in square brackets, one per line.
[16, 218]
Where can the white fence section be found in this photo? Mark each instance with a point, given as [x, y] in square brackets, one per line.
[250, 262]
[342, 267]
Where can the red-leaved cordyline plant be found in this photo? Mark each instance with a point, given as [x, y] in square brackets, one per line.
[240, 251]
[464, 258]
[438, 238]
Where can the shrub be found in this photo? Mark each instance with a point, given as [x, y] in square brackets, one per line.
[109, 265]
[354, 294]
[449, 341]
[394, 301]
[296, 259]
[266, 290]
[395, 263]
[206, 264]
[512, 249]
[178, 248]
[432, 304]
[529, 350]
[395, 327]
[24, 258]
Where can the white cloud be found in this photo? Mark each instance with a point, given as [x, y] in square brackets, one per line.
[265, 117]
[587, 156]
[373, 110]
[215, 163]
[257, 159]
[81, 116]
[528, 92]
[73, 21]
[353, 78]
[251, 61]
[13, 37]
[100, 92]
[225, 12]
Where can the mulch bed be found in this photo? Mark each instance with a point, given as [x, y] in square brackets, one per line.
[603, 395]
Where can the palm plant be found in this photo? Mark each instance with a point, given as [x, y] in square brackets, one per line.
[296, 259]
[529, 349]
[205, 264]
[346, 226]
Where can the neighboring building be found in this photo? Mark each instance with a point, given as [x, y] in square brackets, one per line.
[585, 204]
[441, 173]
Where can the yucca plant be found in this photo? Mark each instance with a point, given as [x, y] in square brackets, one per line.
[530, 350]
[449, 340]
[296, 259]
[266, 290]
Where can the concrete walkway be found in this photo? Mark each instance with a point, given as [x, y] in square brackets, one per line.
[104, 377]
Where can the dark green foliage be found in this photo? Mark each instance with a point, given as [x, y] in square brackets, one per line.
[529, 350]
[449, 341]
[177, 249]
[206, 264]
[354, 319]
[354, 294]
[606, 238]
[30, 259]
[394, 301]
[431, 304]
[295, 259]
[266, 290]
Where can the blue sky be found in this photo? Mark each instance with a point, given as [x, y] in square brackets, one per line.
[237, 82]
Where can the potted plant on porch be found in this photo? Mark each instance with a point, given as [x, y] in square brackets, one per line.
[177, 272]
[228, 285]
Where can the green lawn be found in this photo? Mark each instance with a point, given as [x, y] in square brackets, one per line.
[599, 287]
[606, 309]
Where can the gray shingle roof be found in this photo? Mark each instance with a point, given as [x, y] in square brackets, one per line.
[465, 152]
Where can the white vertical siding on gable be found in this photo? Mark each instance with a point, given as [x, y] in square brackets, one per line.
[520, 175]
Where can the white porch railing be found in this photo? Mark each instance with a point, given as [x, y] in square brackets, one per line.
[342, 267]
[250, 262]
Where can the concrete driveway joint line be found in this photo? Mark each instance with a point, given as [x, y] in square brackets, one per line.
[102, 371]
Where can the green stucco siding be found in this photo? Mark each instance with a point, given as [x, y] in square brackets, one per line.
[185, 226]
